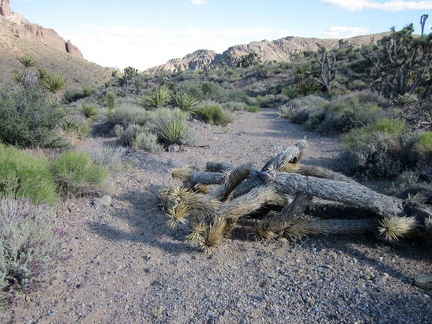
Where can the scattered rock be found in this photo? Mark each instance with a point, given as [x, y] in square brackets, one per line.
[104, 201]
[173, 148]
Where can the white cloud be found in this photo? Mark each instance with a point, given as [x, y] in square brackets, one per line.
[198, 2]
[345, 31]
[144, 47]
[356, 5]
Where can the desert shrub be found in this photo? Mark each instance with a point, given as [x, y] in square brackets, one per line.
[170, 125]
[235, 106]
[290, 91]
[186, 100]
[206, 90]
[110, 98]
[393, 127]
[377, 150]
[109, 156]
[76, 174]
[24, 175]
[405, 180]
[341, 114]
[30, 119]
[308, 87]
[299, 110]
[147, 141]
[423, 147]
[126, 114]
[213, 114]
[157, 98]
[345, 113]
[31, 248]
[267, 101]
[127, 136]
[254, 109]
[74, 126]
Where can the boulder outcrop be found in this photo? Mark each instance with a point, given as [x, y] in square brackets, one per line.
[20, 27]
[5, 9]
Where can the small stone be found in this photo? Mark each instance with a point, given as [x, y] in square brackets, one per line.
[104, 201]
[173, 148]
[173, 163]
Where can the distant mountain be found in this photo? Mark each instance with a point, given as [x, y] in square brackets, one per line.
[19, 37]
[284, 49]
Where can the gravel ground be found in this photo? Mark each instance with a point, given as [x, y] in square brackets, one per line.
[128, 267]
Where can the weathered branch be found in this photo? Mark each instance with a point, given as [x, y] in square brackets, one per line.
[350, 194]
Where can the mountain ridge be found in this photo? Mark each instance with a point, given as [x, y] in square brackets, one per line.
[282, 49]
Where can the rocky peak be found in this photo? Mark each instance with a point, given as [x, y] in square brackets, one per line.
[5, 9]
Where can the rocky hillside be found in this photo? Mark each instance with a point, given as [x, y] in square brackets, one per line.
[19, 37]
[284, 49]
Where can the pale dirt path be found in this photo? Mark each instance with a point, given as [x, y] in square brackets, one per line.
[128, 267]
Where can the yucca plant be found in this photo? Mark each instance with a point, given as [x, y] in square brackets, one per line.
[186, 100]
[158, 98]
[88, 111]
[54, 83]
[171, 126]
[29, 77]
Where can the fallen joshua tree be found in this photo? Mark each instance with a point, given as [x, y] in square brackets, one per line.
[282, 200]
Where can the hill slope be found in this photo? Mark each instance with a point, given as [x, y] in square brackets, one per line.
[20, 37]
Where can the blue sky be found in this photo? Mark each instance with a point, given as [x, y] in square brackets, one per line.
[146, 33]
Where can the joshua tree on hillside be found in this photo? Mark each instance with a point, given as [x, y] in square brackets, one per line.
[29, 78]
[129, 74]
[423, 19]
[327, 62]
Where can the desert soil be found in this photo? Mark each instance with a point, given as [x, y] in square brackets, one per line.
[127, 266]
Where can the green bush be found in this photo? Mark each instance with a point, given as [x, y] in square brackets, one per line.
[147, 141]
[126, 136]
[213, 115]
[339, 115]
[254, 109]
[392, 127]
[171, 126]
[24, 175]
[235, 106]
[126, 114]
[110, 100]
[31, 248]
[76, 174]
[424, 146]
[29, 119]
[345, 113]
[378, 150]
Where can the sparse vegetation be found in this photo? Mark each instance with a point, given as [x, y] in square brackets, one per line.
[76, 174]
[31, 248]
[377, 98]
[213, 114]
[24, 175]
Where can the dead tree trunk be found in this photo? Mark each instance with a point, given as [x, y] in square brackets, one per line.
[354, 195]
